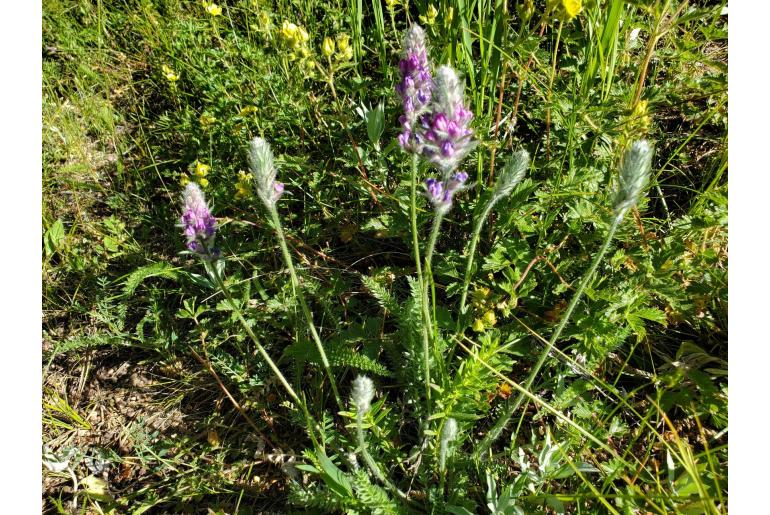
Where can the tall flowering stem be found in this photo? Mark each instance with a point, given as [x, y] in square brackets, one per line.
[199, 229]
[634, 175]
[362, 395]
[415, 92]
[269, 191]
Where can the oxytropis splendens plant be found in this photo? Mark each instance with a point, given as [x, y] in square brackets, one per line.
[436, 131]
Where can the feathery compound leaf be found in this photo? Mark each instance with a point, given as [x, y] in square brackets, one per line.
[136, 277]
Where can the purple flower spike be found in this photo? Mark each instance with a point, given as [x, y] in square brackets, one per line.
[447, 133]
[415, 86]
[198, 223]
[440, 193]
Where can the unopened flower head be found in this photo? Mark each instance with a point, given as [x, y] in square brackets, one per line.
[512, 174]
[363, 393]
[449, 433]
[440, 192]
[415, 85]
[634, 175]
[198, 223]
[447, 137]
[263, 169]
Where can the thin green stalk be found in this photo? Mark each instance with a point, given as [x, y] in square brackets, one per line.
[420, 283]
[220, 282]
[369, 460]
[303, 303]
[428, 320]
[510, 409]
[472, 250]
[432, 241]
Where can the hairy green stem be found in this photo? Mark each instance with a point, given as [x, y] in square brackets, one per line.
[303, 303]
[472, 250]
[420, 283]
[220, 282]
[369, 460]
[511, 408]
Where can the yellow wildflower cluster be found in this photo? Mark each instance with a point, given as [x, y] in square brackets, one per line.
[169, 74]
[392, 4]
[212, 8]
[296, 40]
[484, 305]
[429, 18]
[339, 48]
[243, 186]
[199, 172]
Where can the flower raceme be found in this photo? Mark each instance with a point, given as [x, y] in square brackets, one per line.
[415, 86]
[198, 223]
[436, 120]
[447, 137]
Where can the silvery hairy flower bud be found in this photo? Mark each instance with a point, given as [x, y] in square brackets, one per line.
[363, 393]
[263, 169]
[512, 174]
[634, 175]
[448, 435]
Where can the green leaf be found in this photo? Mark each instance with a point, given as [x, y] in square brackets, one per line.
[136, 277]
[333, 477]
[54, 237]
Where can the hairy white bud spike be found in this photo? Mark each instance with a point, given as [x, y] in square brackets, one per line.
[414, 40]
[263, 169]
[512, 174]
[634, 175]
[448, 91]
[363, 393]
[449, 433]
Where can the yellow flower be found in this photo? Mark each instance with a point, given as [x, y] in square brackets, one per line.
[391, 4]
[184, 180]
[430, 15]
[170, 75]
[247, 111]
[571, 8]
[343, 42]
[204, 182]
[478, 325]
[243, 186]
[213, 9]
[206, 120]
[288, 31]
[327, 48]
[201, 170]
[344, 50]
